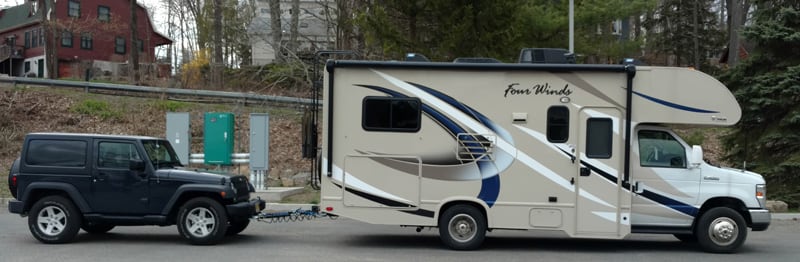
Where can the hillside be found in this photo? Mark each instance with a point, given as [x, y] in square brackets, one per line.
[46, 109]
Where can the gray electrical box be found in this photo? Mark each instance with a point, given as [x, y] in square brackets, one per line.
[179, 134]
[259, 141]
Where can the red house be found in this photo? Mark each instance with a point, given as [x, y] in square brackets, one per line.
[67, 38]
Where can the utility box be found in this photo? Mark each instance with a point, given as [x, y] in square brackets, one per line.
[179, 135]
[259, 141]
[218, 138]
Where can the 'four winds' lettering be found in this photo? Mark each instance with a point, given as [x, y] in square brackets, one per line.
[537, 89]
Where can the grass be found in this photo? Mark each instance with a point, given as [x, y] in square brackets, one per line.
[4, 193]
[309, 196]
[171, 106]
[98, 108]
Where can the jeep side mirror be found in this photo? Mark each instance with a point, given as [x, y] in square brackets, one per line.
[697, 156]
[136, 165]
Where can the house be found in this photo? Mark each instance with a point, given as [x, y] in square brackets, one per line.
[60, 39]
[315, 28]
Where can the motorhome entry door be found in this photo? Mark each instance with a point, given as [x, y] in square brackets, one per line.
[599, 158]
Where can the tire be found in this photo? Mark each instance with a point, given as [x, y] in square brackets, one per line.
[54, 220]
[96, 228]
[236, 226]
[721, 230]
[686, 238]
[202, 221]
[462, 227]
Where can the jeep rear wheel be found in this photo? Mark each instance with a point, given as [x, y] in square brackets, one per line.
[202, 221]
[54, 220]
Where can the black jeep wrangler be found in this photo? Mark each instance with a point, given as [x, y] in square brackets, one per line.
[67, 182]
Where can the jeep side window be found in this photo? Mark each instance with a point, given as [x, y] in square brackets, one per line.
[116, 154]
[56, 153]
[660, 149]
[160, 153]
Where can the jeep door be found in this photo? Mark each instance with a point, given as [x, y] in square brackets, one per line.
[116, 187]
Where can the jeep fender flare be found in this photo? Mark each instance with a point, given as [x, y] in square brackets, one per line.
[69, 189]
[191, 188]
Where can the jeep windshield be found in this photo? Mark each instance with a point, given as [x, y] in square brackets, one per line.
[161, 154]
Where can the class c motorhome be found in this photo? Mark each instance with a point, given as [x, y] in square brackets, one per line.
[582, 149]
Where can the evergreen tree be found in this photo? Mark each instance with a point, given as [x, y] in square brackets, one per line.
[672, 30]
[767, 85]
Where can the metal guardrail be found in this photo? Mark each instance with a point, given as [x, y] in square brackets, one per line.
[158, 90]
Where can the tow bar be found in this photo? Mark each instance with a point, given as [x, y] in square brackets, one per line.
[292, 216]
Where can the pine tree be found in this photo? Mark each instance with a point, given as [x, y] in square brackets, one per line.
[767, 85]
[672, 30]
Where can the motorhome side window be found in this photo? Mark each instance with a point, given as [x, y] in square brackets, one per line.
[599, 135]
[390, 114]
[558, 124]
[660, 149]
[56, 153]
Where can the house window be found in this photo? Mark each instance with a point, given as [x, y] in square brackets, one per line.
[74, 8]
[599, 135]
[119, 46]
[34, 38]
[86, 41]
[27, 39]
[140, 45]
[391, 114]
[103, 13]
[303, 25]
[66, 39]
[558, 124]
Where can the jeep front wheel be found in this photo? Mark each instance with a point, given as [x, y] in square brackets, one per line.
[54, 220]
[202, 221]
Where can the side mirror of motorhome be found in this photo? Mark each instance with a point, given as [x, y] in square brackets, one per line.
[697, 156]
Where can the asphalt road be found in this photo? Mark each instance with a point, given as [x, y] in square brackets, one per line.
[349, 240]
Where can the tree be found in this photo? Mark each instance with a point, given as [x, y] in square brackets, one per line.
[767, 85]
[277, 29]
[135, 44]
[685, 32]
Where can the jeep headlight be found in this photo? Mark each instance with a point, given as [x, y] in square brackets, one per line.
[233, 188]
[761, 195]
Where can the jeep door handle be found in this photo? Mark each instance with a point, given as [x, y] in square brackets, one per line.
[100, 177]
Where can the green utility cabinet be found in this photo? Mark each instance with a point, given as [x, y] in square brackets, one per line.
[218, 138]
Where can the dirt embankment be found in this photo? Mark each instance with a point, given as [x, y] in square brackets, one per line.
[41, 109]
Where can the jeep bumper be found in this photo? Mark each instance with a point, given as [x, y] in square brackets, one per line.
[15, 207]
[760, 218]
[246, 209]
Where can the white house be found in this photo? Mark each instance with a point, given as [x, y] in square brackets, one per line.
[315, 28]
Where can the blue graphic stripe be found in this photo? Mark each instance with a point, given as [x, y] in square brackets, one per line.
[490, 189]
[664, 200]
[674, 105]
[671, 203]
[490, 186]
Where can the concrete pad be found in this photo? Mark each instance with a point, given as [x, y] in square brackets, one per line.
[276, 194]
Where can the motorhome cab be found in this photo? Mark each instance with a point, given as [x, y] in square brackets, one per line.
[581, 149]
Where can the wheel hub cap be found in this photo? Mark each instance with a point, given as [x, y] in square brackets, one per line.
[723, 231]
[462, 228]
